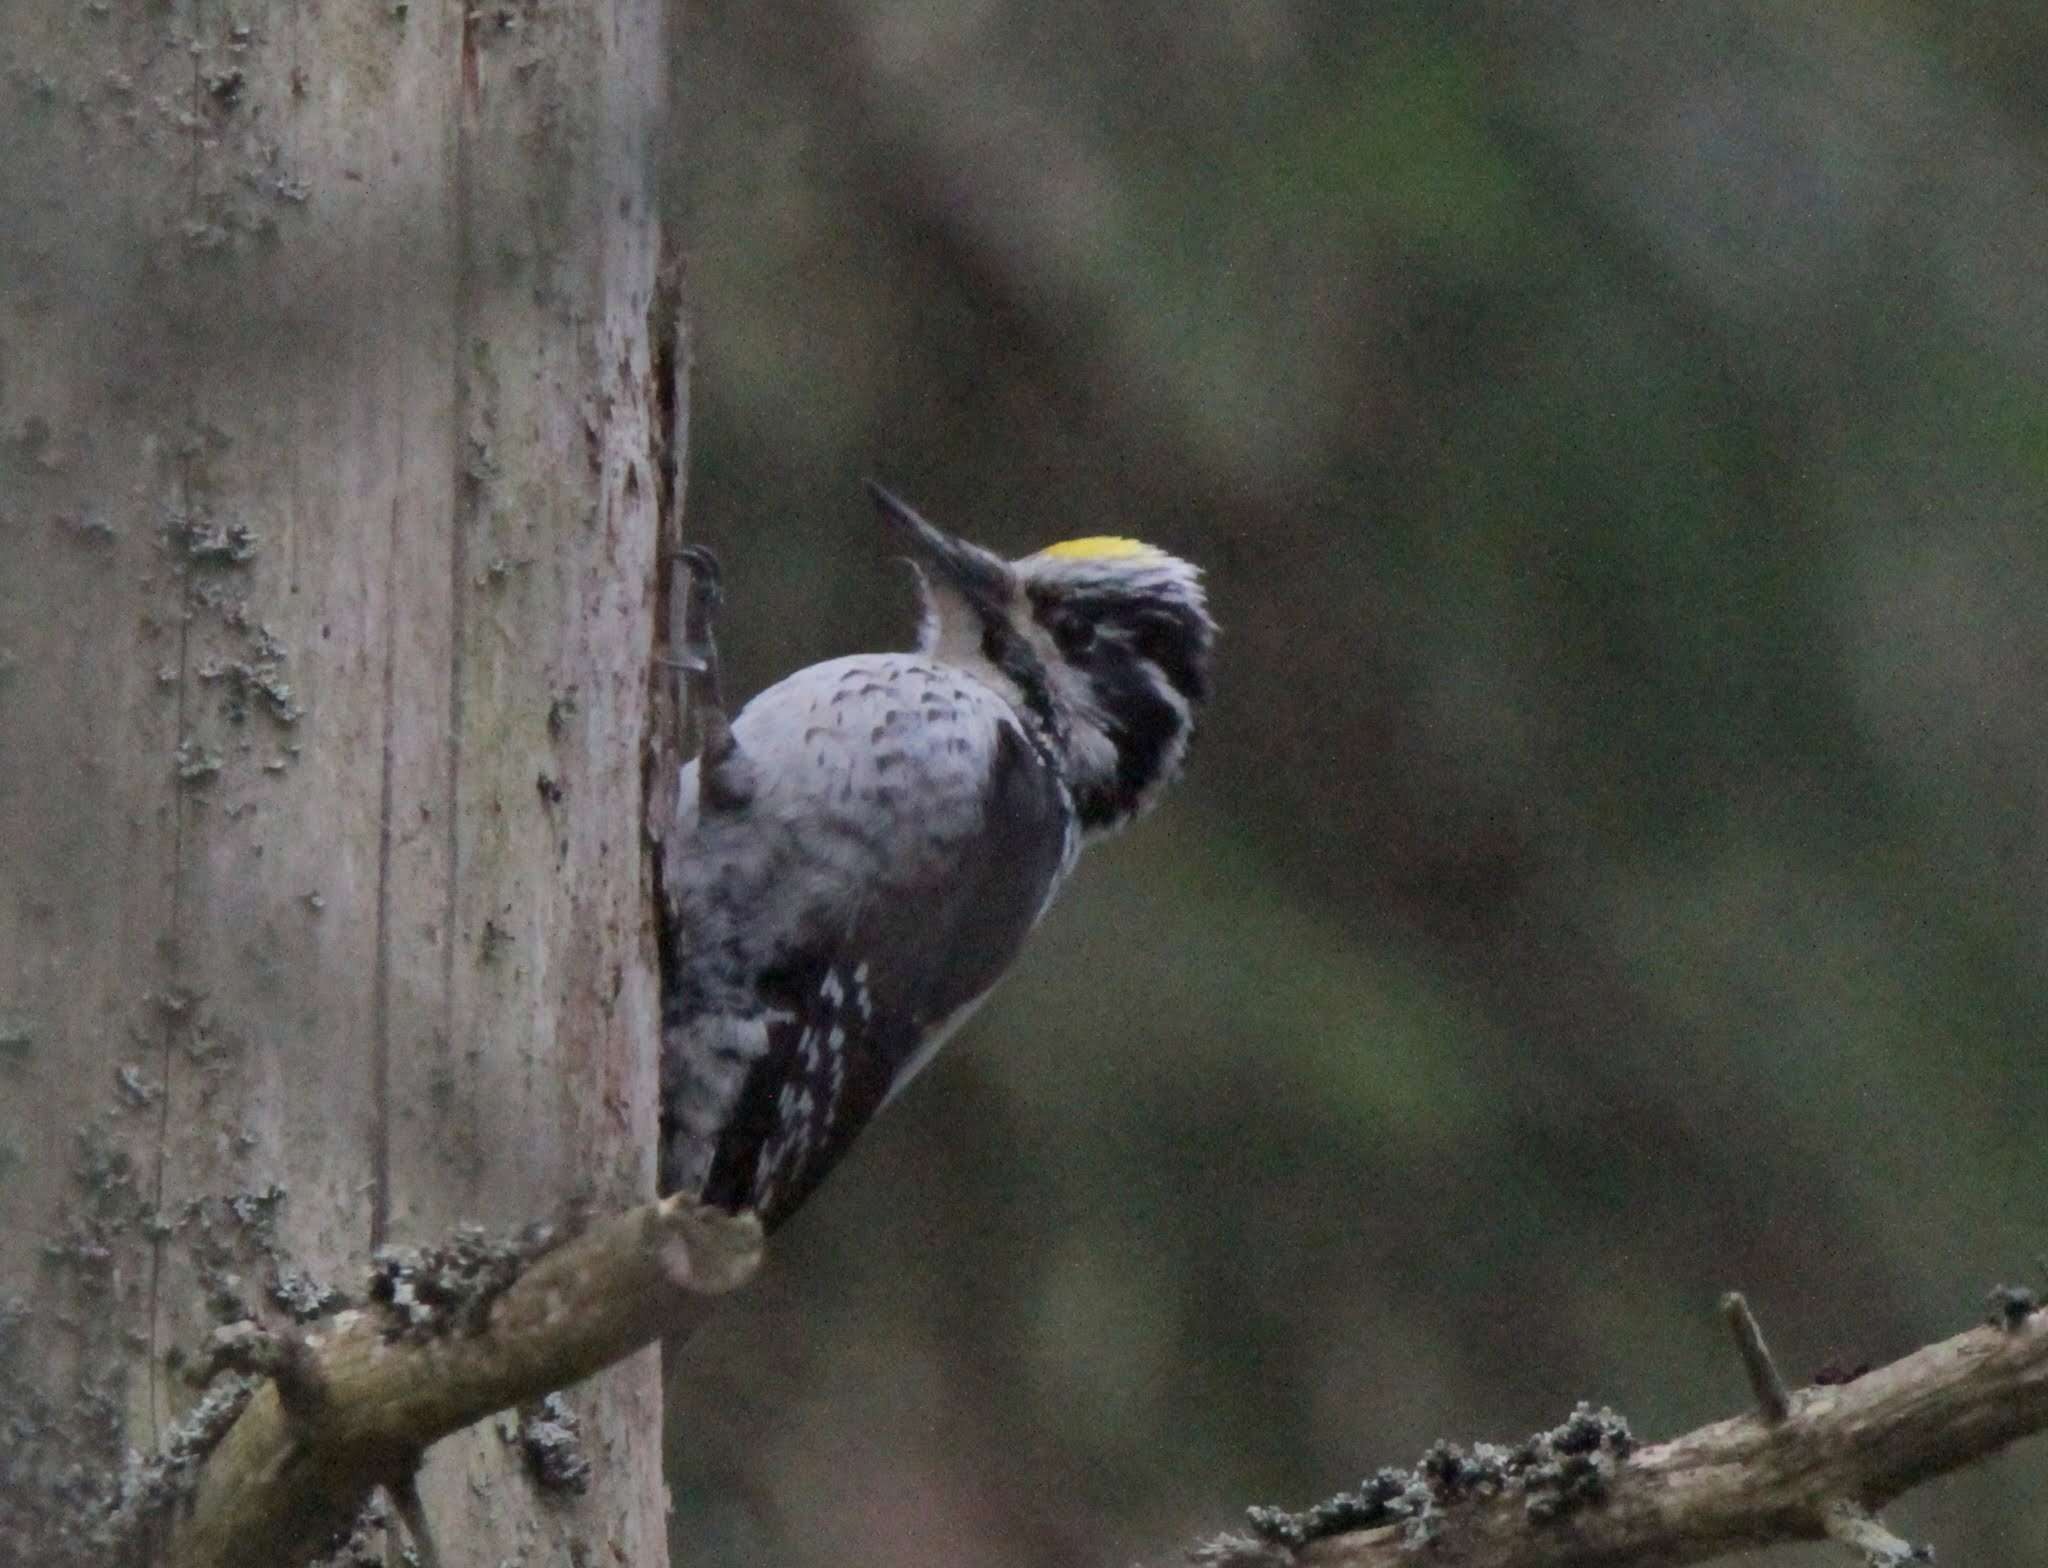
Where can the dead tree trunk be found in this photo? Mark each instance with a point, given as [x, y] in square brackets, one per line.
[327, 525]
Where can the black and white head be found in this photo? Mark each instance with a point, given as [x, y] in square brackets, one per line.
[1104, 644]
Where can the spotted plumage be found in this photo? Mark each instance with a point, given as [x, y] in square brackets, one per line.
[856, 865]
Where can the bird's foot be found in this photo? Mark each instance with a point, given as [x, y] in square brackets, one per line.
[697, 655]
[727, 778]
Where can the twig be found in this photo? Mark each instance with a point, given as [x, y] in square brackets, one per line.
[370, 1391]
[1764, 1382]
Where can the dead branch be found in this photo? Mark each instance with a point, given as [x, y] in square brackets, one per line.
[353, 1403]
[1811, 1465]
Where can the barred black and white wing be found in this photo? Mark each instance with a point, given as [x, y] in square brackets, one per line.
[899, 838]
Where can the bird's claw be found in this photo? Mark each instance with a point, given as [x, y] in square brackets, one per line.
[706, 580]
[697, 655]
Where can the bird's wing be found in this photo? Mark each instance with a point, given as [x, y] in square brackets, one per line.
[905, 837]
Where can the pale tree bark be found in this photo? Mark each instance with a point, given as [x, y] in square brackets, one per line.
[327, 501]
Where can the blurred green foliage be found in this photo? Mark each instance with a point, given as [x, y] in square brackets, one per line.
[1612, 870]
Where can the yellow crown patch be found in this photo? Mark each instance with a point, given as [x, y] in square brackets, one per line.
[1103, 547]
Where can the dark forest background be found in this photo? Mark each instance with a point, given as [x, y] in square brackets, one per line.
[1613, 870]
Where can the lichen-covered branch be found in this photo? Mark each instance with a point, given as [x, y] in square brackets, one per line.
[449, 1338]
[1585, 1495]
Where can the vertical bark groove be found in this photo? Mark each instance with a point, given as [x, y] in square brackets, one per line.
[464, 484]
[173, 948]
[380, 1041]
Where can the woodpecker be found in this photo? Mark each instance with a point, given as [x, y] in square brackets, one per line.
[861, 852]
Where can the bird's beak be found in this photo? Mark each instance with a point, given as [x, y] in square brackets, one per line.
[979, 576]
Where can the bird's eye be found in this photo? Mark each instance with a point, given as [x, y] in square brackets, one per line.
[1074, 633]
